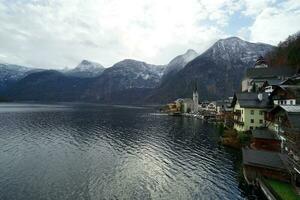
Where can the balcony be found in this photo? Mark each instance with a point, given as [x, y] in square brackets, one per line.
[237, 113]
[238, 122]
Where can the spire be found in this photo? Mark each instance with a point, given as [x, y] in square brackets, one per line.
[195, 86]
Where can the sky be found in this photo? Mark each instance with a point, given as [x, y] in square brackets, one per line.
[60, 33]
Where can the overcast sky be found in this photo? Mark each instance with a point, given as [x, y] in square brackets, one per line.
[61, 33]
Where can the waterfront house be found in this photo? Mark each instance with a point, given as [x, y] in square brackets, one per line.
[249, 110]
[265, 139]
[285, 120]
[186, 105]
[258, 164]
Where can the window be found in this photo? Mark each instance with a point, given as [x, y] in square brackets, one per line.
[251, 127]
[252, 121]
[261, 112]
[252, 112]
[261, 121]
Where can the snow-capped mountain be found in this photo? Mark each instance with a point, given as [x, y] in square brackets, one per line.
[180, 61]
[135, 74]
[218, 71]
[10, 73]
[235, 52]
[124, 75]
[86, 69]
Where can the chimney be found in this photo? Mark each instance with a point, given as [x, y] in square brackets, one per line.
[260, 96]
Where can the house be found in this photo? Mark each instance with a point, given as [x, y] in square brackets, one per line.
[249, 110]
[212, 107]
[259, 77]
[285, 121]
[286, 95]
[257, 164]
[186, 105]
[265, 139]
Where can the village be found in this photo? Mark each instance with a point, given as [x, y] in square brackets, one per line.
[263, 120]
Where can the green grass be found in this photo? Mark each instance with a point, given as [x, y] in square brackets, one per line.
[284, 190]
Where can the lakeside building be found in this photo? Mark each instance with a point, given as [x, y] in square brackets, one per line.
[257, 164]
[265, 139]
[285, 121]
[261, 76]
[184, 105]
[249, 110]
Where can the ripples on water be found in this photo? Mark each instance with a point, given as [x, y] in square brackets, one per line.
[100, 152]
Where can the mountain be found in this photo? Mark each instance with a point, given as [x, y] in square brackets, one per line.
[10, 73]
[48, 85]
[178, 63]
[127, 75]
[86, 69]
[218, 71]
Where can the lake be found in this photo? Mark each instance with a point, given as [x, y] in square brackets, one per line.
[89, 151]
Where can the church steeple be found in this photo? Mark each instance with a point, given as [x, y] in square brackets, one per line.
[195, 97]
[195, 86]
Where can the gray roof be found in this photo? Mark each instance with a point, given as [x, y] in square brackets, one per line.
[250, 100]
[291, 108]
[264, 133]
[264, 159]
[293, 114]
[294, 119]
[270, 72]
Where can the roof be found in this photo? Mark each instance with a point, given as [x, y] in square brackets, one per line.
[250, 100]
[291, 109]
[270, 72]
[264, 159]
[264, 134]
[294, 80]
[294, 119]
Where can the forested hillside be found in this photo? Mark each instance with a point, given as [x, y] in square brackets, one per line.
[287, 53]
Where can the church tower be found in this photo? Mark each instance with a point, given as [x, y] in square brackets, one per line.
[195, 98]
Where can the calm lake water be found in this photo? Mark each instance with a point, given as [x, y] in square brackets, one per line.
[82, 151]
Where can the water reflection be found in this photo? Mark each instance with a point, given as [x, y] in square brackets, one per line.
[100, 152]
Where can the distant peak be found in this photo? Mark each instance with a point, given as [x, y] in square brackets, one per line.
[87, 63]
[191, 51]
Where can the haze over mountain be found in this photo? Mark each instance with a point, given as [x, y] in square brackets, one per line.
[218, 72]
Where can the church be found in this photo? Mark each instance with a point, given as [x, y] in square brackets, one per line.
[189, 105]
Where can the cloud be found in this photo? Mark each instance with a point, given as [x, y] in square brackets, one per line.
[61, 33]
[274, 24]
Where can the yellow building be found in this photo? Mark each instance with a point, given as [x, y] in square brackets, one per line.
[249, 110]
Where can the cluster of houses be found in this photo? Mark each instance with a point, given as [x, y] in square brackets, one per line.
[269, 109]
[192, 107]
